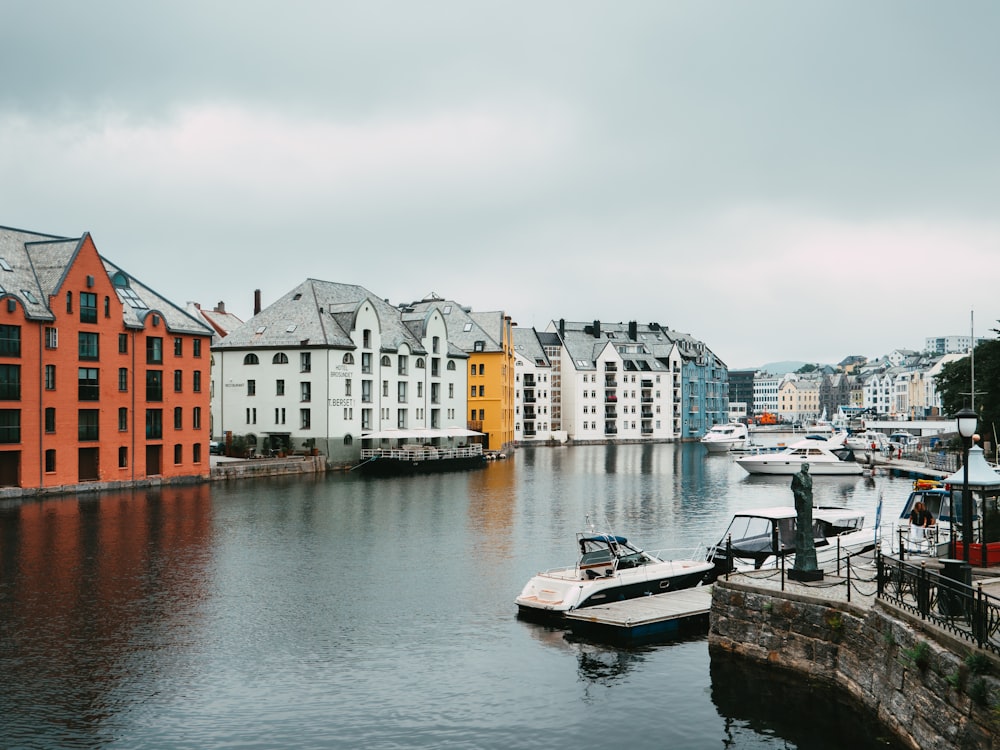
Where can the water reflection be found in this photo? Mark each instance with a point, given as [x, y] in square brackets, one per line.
[754, 698]
[75, 582]
[349, 612]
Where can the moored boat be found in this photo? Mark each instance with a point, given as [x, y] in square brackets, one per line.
[609, 569]
[760, 538]
[419, 459]
[824, 456]
[726, 437]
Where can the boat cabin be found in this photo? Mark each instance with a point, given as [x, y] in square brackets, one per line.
[771, 531]
[603, 554]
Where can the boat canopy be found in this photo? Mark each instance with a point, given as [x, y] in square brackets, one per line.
[605, 538]
[420, 434]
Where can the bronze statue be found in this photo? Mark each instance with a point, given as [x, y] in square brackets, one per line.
[805, 568]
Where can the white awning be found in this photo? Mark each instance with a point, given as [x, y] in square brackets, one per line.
[419, 434]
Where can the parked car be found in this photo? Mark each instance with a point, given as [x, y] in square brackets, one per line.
[216, 448]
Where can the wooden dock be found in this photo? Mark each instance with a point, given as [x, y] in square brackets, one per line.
[645, 619]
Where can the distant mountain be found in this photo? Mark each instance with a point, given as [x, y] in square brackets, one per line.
[780, 368]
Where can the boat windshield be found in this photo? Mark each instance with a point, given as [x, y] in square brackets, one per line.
[603, 548]
[752, 535]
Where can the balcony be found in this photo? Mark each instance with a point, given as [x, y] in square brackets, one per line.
[611, 367]
[610, 430]
[647, 383]
[529, 381]
[610, 382]
[610, 398]
[612, 414]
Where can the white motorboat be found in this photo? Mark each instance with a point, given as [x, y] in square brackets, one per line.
[609, 569]
[726, 437]
[825, 457]
[867, 441]
[760, 538]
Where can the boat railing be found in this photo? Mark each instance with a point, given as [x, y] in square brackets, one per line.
[699, 552]
[423, 453]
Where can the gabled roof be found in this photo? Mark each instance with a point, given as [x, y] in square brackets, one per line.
[465, 328]
[320, 314]
[528, 345]
[38, 265]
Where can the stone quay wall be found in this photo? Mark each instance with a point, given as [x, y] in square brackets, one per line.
[268, 467]
[919, 681]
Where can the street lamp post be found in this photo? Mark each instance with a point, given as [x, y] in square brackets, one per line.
[967, 421]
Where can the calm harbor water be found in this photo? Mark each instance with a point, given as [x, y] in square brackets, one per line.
[345, 612]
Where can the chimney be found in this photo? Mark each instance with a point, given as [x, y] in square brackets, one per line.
[256, 301]
[562, 328]
[633, 331]
[597, 329]
[221, 307]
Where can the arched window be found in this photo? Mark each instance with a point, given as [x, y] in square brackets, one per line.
[420, 362]
[348, 440]
[385, 361]
[251, 359]
[451, 365]
[348, 359]
[279, 359]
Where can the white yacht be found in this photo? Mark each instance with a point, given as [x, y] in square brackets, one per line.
[825, 456]
[759, 538]
[609, 569]
[726, 437]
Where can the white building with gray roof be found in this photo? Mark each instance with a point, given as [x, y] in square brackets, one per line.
[619, 382]
[328, 364]
[532, 388]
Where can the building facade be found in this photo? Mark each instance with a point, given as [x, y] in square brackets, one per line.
[487, 339]
[532, 388]
[102, 380]
[632, 382]
[333, 366]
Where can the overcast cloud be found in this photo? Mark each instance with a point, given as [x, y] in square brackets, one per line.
[783, 180]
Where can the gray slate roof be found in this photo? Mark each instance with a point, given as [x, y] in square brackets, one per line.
[320, 314]
[465, 327]
[39, 263]
[528, 345]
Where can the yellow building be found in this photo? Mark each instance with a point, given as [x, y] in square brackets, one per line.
[488, 339]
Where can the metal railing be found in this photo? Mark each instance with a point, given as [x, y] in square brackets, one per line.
[942, 598]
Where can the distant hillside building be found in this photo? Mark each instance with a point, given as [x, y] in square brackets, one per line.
[102, 380]
[949, 344]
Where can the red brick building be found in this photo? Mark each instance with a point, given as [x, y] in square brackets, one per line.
[102, 380]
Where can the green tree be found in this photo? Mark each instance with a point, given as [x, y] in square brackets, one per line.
[954, 383]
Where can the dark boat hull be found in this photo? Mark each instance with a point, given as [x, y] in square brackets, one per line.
[394, 467]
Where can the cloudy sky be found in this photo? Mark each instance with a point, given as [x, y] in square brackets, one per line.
[783, 180]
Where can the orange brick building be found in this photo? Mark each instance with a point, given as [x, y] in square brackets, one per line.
[101, 379]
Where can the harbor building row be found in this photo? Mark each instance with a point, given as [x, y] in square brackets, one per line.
[335, 367]
[598, 382]
[431, 368]
[102, 380]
